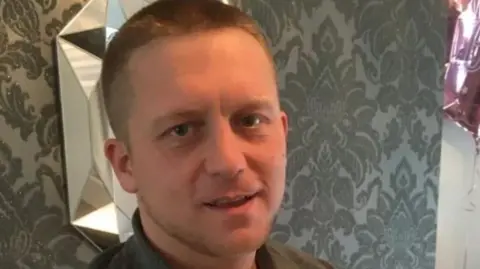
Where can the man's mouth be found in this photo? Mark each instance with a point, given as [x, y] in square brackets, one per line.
[230, 202]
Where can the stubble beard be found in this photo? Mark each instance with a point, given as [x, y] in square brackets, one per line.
[198, 243]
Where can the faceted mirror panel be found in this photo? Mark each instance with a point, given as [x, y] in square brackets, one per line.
[98, 207]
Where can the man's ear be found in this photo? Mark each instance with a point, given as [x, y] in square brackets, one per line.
[284, 119]
[117, 153]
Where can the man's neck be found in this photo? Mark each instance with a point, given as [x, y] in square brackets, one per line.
[180, 256]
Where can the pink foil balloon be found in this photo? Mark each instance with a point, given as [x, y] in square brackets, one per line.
[451, 23]
[462, 78]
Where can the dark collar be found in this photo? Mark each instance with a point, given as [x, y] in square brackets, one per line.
[147, 258]
[145, 255]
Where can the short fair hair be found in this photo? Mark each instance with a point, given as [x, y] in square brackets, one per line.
[163, 18]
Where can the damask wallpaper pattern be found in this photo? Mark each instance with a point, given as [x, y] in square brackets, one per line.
[361, 82]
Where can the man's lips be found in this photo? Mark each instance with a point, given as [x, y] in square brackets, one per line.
[230, 201]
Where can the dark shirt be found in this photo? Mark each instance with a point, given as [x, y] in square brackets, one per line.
[137, 253]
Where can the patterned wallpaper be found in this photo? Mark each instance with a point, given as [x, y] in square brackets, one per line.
[361, 81]
[33, 213]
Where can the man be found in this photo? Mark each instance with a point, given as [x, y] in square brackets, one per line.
[190, 92]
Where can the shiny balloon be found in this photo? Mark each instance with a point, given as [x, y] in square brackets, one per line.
[462, 77]
[451, 23]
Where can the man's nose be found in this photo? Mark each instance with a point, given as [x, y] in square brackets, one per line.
[225, 157]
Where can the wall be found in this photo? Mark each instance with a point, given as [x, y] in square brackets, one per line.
[33, 215]
[455, 177]
[361, 81]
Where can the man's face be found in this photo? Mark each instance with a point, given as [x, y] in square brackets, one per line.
[205, 129]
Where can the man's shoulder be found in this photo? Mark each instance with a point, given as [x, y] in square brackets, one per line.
[289, 255]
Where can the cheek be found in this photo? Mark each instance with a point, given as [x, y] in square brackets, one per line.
[160, 178]
[279, 178]
[279, 164]
[272, 172]
[277, 188]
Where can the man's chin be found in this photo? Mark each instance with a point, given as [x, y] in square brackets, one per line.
[242, 241]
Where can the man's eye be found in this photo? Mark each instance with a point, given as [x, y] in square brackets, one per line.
[181, 130]
[250, 121]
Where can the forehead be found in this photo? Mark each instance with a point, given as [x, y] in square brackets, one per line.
[230, 64]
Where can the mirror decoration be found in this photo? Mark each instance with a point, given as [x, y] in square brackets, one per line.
[98, 207]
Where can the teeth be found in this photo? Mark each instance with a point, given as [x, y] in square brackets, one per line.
[227, 200]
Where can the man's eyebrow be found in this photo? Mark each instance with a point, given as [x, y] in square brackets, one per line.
[181, 114]
[173, 115]
[259, 104]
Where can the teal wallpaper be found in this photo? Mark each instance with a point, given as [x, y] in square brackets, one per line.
[362, 84]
